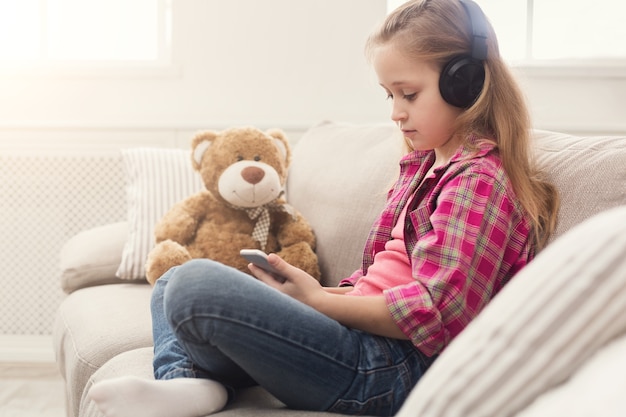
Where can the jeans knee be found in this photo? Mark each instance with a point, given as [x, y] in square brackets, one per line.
[199, 282]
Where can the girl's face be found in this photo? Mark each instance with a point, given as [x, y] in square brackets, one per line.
[425, 119]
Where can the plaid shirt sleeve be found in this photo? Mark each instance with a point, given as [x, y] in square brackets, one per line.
[470, 237]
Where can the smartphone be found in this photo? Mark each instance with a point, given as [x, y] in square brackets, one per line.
[259, 258]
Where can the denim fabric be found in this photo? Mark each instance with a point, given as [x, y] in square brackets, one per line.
[212, 321]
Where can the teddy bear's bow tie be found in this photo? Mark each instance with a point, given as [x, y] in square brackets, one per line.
[262, 216]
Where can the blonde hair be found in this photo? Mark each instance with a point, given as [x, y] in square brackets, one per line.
[438, 30]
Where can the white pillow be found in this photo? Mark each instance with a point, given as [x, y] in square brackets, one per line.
[596, 389]
[156, 179]
[551, 318]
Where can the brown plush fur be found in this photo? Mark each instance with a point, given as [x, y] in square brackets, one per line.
[208, 225]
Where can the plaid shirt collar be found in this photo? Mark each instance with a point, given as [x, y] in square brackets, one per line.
[472, 148]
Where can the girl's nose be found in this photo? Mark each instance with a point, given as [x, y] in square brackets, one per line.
[397, 113]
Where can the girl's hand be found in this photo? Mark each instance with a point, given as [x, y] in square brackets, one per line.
[365, 313]
[298, 284]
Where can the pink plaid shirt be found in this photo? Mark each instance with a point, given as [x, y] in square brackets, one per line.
[466, 236]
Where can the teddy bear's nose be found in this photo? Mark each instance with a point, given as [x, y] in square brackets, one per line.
[253, 175]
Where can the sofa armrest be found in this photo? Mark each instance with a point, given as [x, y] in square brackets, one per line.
[92, 257]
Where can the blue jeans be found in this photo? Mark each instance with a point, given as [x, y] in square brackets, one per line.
[212, 321]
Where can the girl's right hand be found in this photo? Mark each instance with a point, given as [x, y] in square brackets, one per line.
[297, 283]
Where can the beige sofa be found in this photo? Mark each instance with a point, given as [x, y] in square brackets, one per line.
[501, 365]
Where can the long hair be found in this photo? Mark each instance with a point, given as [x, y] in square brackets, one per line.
[438, 30]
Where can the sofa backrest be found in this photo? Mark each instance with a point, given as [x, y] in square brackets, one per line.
[339, 177]
[341, 172]
[589, 173]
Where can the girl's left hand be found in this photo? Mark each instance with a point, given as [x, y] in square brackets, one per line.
[298, 284]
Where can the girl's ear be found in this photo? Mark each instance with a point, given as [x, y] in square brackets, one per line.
[199, 145]
[282, 143]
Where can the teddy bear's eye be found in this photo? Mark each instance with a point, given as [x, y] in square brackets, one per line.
[239, 158]
[257, 158]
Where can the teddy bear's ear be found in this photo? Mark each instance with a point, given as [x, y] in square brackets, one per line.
[282, 143]
[199, 144]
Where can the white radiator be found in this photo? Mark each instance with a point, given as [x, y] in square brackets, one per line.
[45, 198]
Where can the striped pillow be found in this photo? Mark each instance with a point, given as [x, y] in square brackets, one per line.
[553, 316]
[156, 179]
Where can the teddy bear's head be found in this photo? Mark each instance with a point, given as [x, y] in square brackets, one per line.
[243, 166]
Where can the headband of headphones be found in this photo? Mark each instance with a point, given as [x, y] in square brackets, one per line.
[479, 29]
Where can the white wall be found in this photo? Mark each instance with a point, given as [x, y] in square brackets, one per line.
[269, 63]
[583, 101]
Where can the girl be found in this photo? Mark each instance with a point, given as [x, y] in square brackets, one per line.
[468, 211]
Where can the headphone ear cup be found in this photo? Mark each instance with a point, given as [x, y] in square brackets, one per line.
[461, 81]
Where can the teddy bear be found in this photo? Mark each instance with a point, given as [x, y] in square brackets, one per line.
[244, 171]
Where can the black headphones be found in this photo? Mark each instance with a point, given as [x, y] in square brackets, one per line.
[462, 79]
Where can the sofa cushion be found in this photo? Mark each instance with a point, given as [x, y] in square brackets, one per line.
[135, 362]
[588, 172]
[96, 324]
[156, 179]
[552, 317]
[92, 257]
[253, 401]
[339, 178]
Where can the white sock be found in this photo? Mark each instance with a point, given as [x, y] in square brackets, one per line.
[180, 397]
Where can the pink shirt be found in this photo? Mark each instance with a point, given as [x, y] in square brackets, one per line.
[391, 266]
[465, 236]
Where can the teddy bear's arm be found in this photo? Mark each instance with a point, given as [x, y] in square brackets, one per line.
[297, 242]
[180, 223]
[294, 231]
